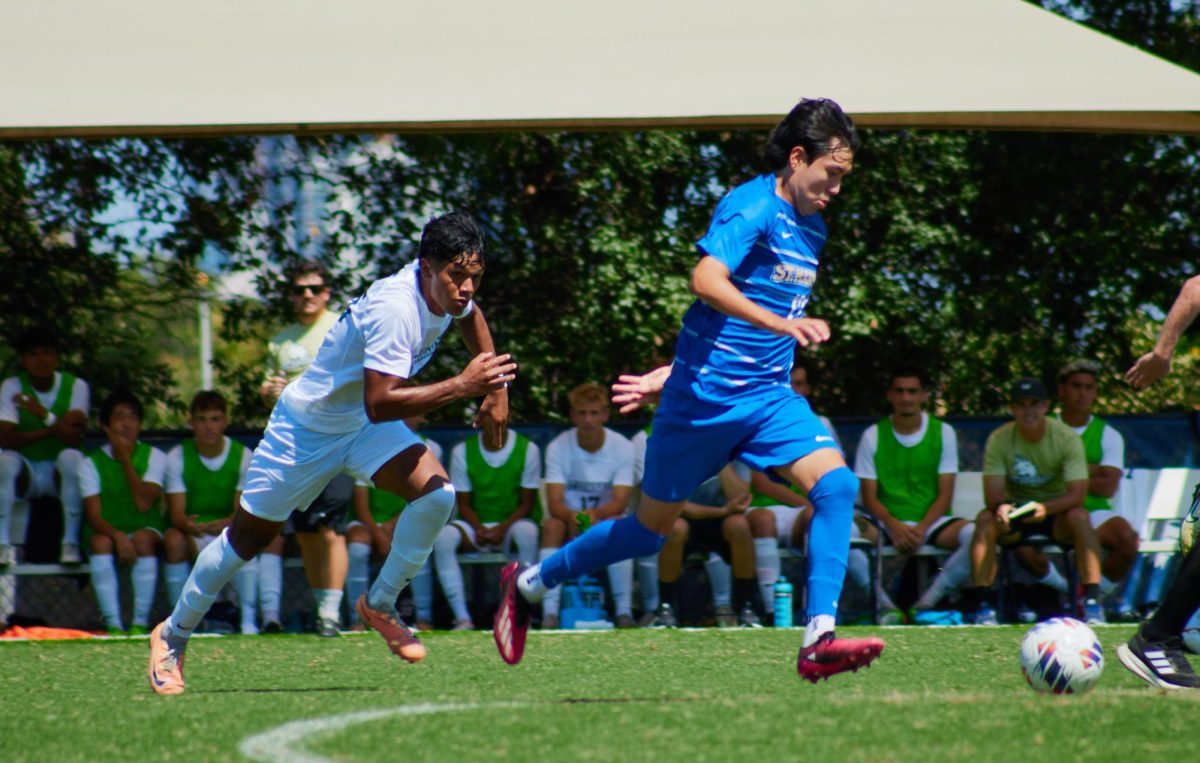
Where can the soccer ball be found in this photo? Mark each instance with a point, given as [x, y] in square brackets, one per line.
[1062, 656]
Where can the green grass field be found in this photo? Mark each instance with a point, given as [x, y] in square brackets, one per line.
[936, 694]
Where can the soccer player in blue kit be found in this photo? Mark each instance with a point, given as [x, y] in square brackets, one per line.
[727, 395]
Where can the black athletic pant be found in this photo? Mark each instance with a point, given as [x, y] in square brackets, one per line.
[1180, 602]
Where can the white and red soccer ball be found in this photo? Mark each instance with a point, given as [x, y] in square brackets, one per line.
[1061, 656]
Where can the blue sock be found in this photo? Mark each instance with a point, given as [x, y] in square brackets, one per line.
[602, 545]
[829, 539]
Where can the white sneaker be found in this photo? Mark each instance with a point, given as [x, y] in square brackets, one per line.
[8, 554]
[69, 554]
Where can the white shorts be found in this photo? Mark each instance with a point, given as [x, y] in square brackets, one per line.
[292, 464]
[43, 478]
[505, 547]
[1100, 516]
[785, 521]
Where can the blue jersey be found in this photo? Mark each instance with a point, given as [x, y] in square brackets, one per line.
[771, 253]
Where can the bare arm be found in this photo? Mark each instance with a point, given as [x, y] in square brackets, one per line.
[782, 494]
[177, 513]
[493, 412]
[556, 502]
[616, 506]
[1157, 363]
[1103, 480]
[1073, 498]
[711, 284]
[940, 505]
[391, 398]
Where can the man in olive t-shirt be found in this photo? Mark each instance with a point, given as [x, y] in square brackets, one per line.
[1039, 461]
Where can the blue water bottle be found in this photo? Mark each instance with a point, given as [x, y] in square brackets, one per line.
[783, 603]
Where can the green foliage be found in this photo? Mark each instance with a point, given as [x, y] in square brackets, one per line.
[981, 255]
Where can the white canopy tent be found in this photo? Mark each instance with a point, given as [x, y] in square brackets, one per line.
[147, 67]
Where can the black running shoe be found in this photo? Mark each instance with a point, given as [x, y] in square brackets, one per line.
[1160, 664]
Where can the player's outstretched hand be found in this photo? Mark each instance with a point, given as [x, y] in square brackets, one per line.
[633, 391]
[1148, 369]
[486, 373]
[805, 331]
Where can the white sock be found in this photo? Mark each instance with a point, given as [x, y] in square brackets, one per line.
[245, 582]
[412, 540]
[215, 566]
[647, 577]
[620, 580]
[270, 586]
[358, 571]
[422, 593]
[953, 573]
[143, 576]
[174, 575]
[329, 604]
[1054, 579]
[1106, 586]
[550, 596]
[104, 583]
[817, 627]
[68, 463]
[445, 559]
[720, 578]
[524, 535]
[10, 468]
[529, 582]
[766, 557]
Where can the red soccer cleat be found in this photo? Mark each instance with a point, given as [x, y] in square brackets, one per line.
[830, 656]
[512, 618]
[399, 638]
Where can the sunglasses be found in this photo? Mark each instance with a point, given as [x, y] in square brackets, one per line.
[299, 290]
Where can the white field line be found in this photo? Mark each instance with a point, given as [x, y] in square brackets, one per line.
[285, 744]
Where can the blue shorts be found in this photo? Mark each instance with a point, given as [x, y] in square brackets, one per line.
[693, 440]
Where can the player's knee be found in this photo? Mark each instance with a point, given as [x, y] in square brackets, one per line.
[10, 467]
[437, 504]
[762, 523]
[68, 462]
[524, 534]
[836, 490]
[447, 541]
[735, 527]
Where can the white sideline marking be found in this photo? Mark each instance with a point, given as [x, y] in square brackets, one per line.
[284, 744]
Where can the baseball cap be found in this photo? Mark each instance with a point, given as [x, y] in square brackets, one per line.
[1080, 366]
[1026, 388]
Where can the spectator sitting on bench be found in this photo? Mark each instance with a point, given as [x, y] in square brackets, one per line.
[205, 476]
[43, 414]
[497, 510]
[121, 484]
[589, 473]
[1037, 460]
[906, 463]
[713, 521]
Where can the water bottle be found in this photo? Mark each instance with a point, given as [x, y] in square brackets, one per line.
[585, 521]
[783, 603]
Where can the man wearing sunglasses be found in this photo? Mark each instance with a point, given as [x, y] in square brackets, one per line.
[320, 526]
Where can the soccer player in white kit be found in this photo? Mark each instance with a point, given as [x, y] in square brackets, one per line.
[344, 415]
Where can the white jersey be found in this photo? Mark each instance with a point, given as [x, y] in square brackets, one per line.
[639, 455]
[1112, 445]
[389, 329]
[89, 478]
[589, 477]
[12, 387]
[175, 483]
[868, 444]
[531, 470]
